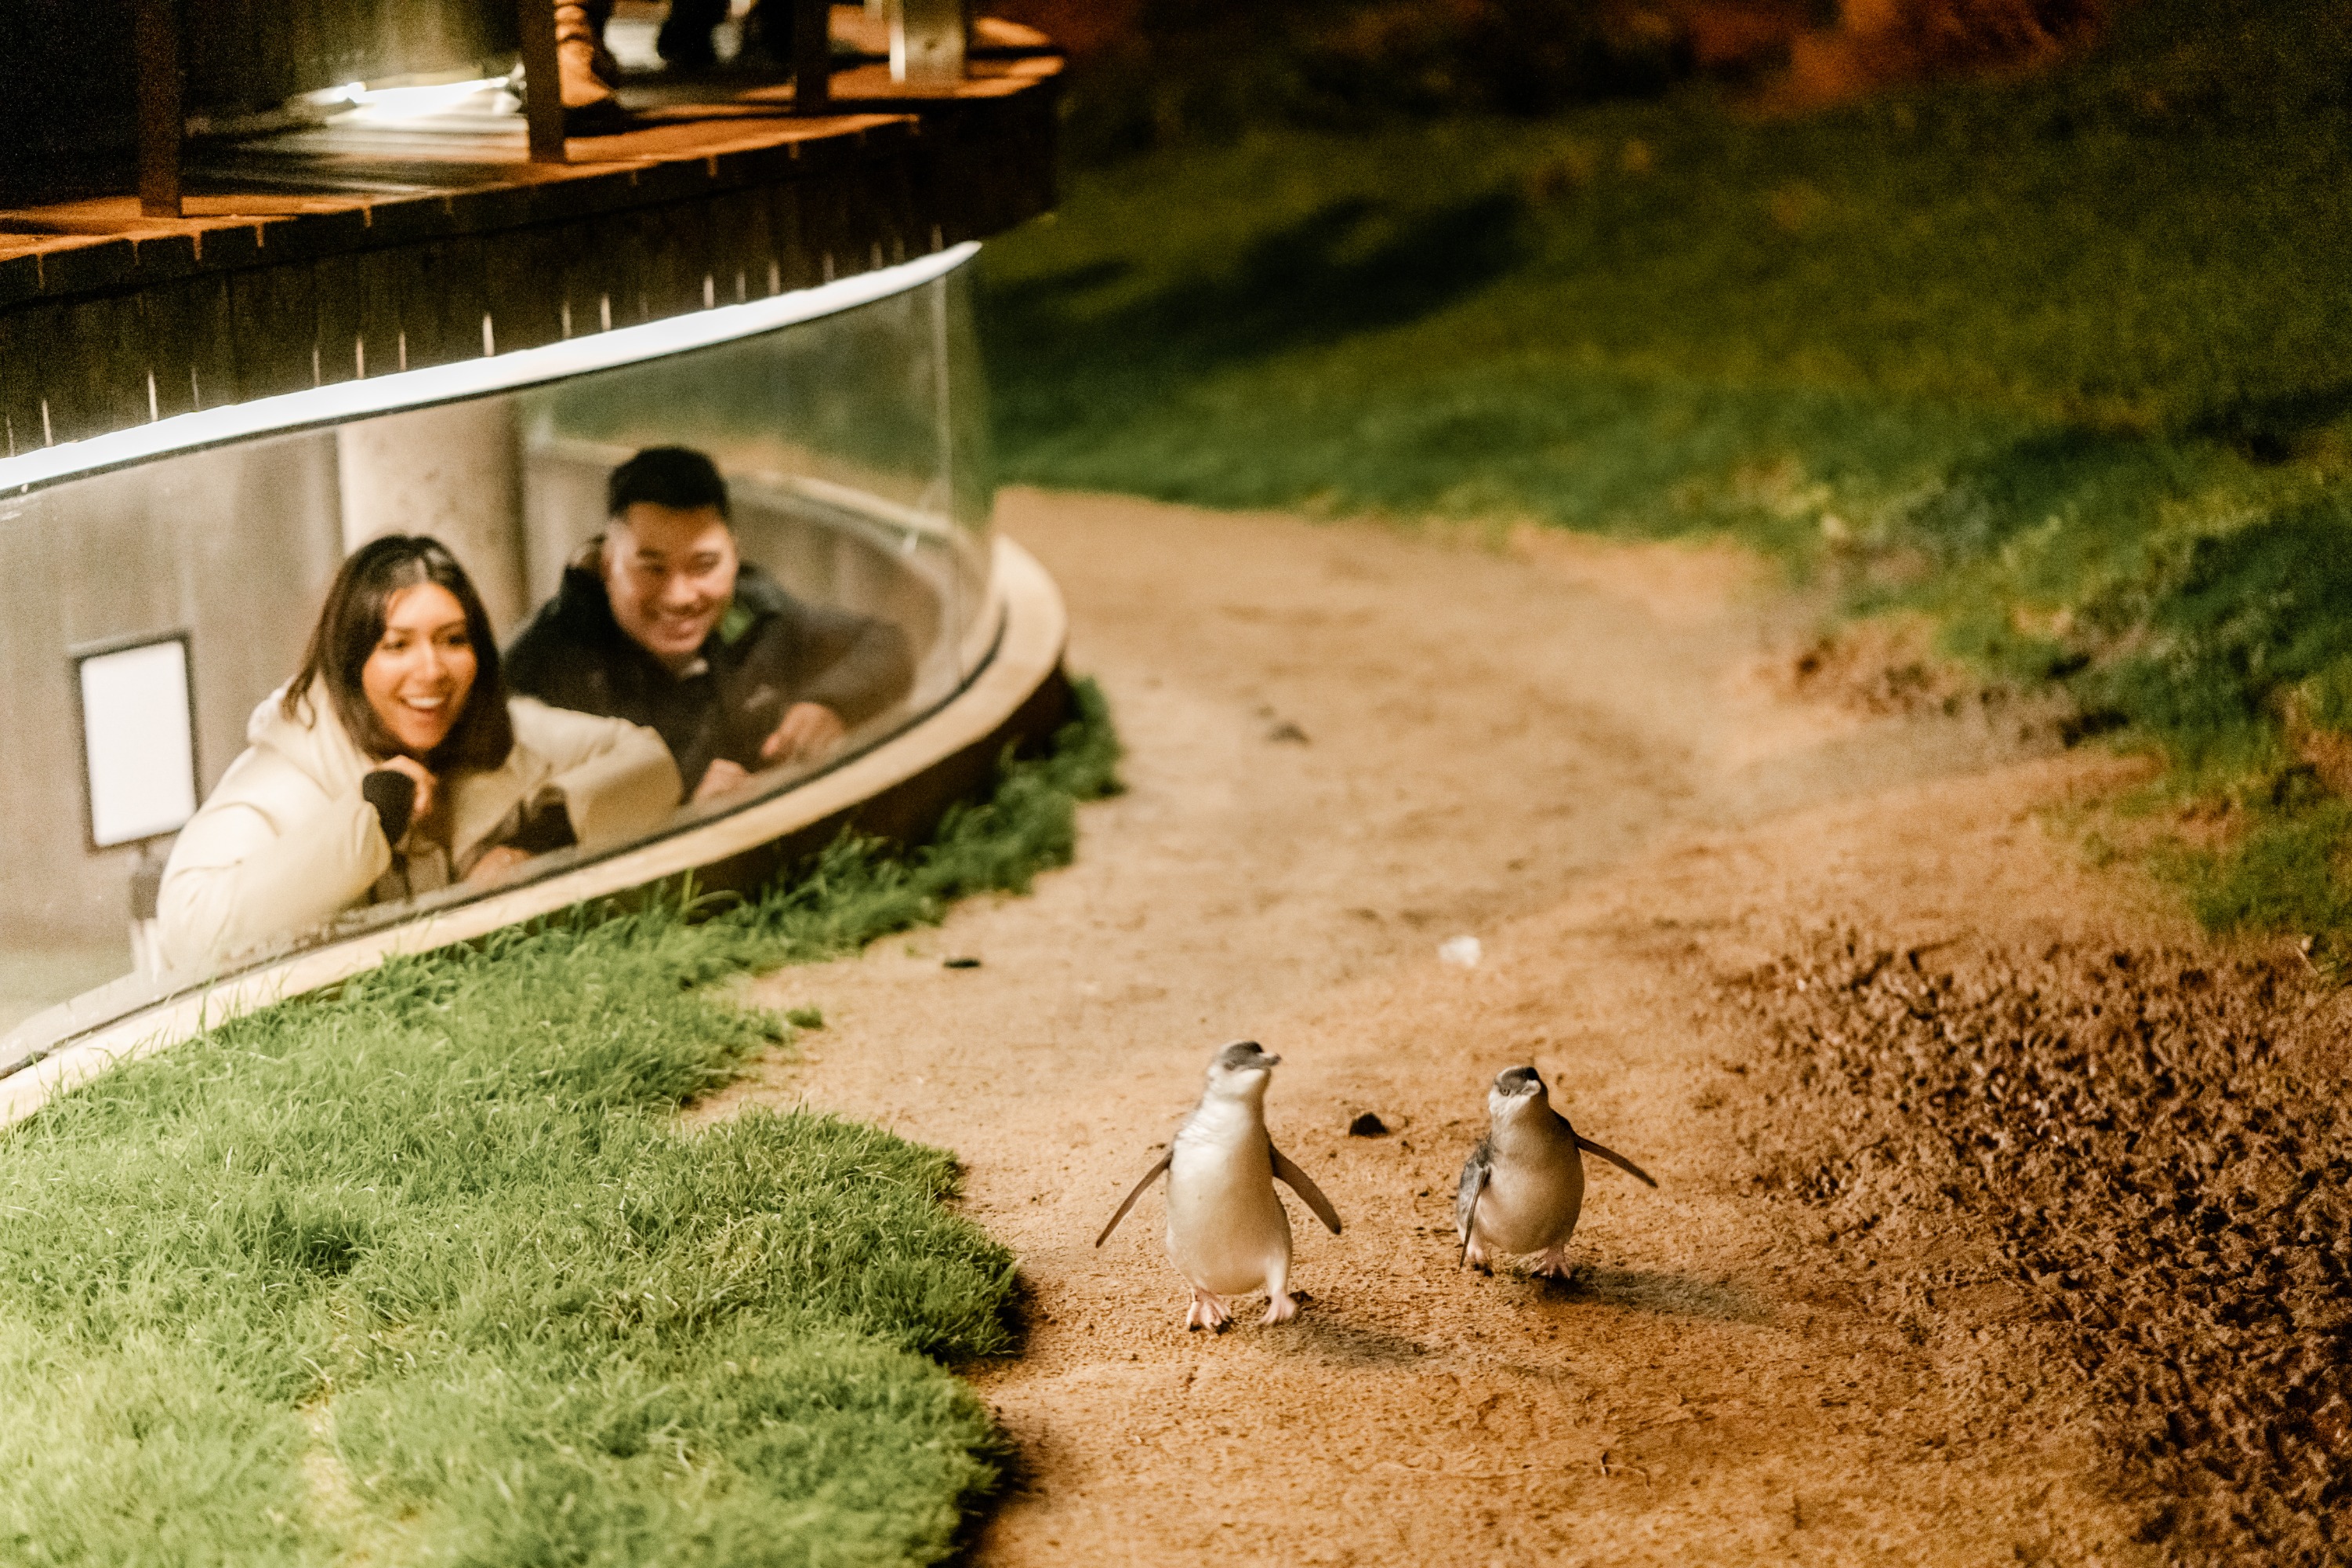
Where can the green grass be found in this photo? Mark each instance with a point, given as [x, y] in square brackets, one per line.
[2065, 363]
[430, 1272]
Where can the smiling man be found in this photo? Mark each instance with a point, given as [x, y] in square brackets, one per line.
[661, 622]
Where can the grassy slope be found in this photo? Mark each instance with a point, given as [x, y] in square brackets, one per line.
[425, 1272]
[2065, 364]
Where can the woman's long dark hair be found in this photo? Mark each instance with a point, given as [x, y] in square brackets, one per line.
[350, 625]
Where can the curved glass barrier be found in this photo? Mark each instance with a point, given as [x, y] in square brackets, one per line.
[176, 820]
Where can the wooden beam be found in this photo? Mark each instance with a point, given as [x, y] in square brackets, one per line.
[155, 39]
[812, 56]
[543, 81]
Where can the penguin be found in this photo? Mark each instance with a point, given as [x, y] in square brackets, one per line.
[1226, 1229]
[1523, 1186]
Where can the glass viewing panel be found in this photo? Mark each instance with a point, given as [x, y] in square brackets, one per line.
[155, 611]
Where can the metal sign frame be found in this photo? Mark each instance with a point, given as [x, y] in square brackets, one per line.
[82, 654]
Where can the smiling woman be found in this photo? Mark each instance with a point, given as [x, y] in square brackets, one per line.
[394, 764]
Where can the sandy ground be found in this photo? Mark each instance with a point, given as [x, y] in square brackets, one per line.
[1347, 746]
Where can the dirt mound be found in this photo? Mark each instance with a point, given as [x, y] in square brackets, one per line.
[2142, 1150]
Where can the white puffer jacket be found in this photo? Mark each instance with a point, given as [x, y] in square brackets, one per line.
[288, 841]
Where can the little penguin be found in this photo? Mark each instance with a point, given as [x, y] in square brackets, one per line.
[1524, 1185]
[1226, 1228]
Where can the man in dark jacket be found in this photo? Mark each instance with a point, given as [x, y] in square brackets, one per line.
[662, 623]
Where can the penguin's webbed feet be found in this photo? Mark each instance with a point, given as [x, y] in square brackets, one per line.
[1280, 1308]
[1206, 1312]
[1474, 1257]
[1553, 1265]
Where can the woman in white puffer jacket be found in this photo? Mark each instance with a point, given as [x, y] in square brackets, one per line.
[394, 764]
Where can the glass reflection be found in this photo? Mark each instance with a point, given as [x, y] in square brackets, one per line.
[394, 764]
[660, 621]
[798, 571]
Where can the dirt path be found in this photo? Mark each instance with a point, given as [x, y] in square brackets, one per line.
[1347, 746]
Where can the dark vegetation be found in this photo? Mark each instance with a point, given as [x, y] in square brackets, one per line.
[428, 1271]
[1172, 72]
[2058, 362]
[2156, 1155]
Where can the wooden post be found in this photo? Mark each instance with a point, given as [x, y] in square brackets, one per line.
[542, 100]
[812, 56]
[155, 39]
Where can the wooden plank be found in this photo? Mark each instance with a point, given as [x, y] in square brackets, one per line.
[448, 299]
[20, 403]
[86, 265]
[526, 312]
[336, 290]
[155, 43]
[209, 319]
[542, 96]
[812, 56]
[792, 262]
[160, 351]
[740, 244]
[275, 316]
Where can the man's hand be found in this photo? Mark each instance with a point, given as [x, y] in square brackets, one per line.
[718, 779]
[809, 730]
[494, 865]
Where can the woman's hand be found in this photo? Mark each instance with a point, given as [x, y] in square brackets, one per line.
[425, 782]
[495, 864]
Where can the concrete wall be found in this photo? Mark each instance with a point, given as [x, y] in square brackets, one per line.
[236, 548]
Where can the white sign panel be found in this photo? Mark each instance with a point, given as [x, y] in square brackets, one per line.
[138, 741]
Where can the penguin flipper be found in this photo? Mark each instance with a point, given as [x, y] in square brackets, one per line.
[1476, 1172]
[1304, 1185]
[1150, 1176]
[1623, 1164]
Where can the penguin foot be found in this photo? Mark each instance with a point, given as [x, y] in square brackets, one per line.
[1207, 1312]
[1474, 1257]
[1553, 1265]
[1280, 1308]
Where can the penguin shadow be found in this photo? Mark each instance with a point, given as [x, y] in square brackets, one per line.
[1662, 1292]
[1327, 1332]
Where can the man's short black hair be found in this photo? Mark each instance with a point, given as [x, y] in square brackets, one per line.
[675, 476]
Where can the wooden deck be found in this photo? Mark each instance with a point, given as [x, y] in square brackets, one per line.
[325, 254]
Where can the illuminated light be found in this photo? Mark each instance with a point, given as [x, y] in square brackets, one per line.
[343, 401]
[492, 96]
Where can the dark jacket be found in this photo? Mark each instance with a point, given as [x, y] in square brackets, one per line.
[770, 651]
